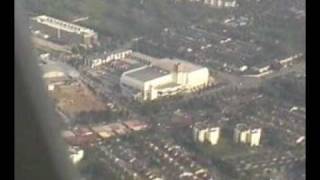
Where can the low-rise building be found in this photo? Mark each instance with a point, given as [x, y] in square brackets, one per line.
[104, 132]
[106, 57]
[57, 73]
[56, 70]
[135, 125]
[217, 3]
[63, 31]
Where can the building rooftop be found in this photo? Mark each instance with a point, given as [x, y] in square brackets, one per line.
[56, 23]
[148, 73]
[132, 123]
[169, 64]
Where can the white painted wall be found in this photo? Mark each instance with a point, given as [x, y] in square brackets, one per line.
[159, 81]
[198, 77]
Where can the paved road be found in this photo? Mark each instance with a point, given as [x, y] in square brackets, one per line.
[41, 43]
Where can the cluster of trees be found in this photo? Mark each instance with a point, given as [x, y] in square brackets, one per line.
[288, 89]
[149, 108]
[203, 102]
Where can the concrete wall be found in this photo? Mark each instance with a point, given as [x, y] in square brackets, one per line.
[159, 81]
[198, 78]
[181, 78]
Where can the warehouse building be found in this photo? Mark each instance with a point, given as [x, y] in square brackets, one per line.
[53, 69]
[163, 77]
[63, 32]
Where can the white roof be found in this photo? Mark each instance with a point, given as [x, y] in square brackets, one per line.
[56, 23]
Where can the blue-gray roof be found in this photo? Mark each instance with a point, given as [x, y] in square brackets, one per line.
[148, 73]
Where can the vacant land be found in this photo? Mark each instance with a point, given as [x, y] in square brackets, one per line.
[77, 98]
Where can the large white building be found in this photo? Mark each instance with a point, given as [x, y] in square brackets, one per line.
[221, 3]
[163, 77]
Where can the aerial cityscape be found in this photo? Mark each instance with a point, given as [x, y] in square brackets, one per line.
[176, 89]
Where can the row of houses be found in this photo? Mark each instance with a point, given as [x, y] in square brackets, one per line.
[84, 136]
[217, 3]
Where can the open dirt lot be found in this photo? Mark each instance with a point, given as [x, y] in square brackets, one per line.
[76, 98]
